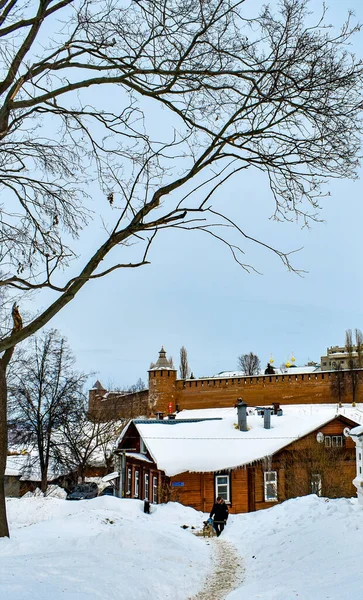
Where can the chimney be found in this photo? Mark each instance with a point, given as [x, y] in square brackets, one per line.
[159, 416]
[276, 406]
[171, 416]
[267, 418]
[242, 415]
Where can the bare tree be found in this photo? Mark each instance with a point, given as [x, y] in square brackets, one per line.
[317, 469]
[354, 360]
[265, 91]
[45, 392]
[338, 384]
[249, 363]
[359, 347]
[81, 442]
[184, 365]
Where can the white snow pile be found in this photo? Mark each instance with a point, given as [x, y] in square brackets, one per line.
[105, 548]
[54, 491]
[304, 549]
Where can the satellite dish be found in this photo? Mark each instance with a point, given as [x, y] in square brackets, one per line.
[346, 431]
[320, 437]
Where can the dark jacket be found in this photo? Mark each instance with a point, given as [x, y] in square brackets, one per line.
[219, 512]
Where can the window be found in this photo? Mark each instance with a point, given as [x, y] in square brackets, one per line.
[136, 484]
[316, 484]
[129, 482]
[155, 490]
[223, 487]
[337, 440]
[334, 440]
[146, 486]
[270, 486]
[142, 446]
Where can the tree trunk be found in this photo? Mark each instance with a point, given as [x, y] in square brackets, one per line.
[44, 481]
[4, 529]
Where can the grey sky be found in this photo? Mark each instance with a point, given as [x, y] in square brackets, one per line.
[194, 294]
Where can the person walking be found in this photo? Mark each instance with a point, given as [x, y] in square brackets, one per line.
[219, 514]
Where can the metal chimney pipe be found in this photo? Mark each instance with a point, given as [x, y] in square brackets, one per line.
[242, 415]
[267, 418]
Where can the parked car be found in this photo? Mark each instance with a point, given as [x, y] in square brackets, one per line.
[108, 491]
[84, 491]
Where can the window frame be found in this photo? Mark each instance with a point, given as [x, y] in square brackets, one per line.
[155, 489]
[137, 483]
[129, 481]
[146, 486]
[335, 439]
[226, 485]
[267, 482]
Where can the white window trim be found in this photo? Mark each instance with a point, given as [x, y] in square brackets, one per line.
[335, 439]
[129, 481]
[155, 489]
[225, 475]
[146, 486]
[267, 482]
[136, 484]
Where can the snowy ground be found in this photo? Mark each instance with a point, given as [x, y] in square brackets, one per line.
[305, 549]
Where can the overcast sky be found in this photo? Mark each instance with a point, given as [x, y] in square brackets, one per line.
[194, 294]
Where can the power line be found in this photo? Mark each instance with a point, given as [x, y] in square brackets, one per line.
[240, 439]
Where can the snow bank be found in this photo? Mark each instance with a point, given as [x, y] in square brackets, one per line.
[101, 548]
[306, 548]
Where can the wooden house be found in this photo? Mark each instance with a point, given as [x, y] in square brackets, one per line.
[253, 462]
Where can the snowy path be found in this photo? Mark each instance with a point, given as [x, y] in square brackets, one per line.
[227, 571]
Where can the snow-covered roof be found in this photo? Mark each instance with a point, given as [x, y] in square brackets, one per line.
[278, 371]
[356, 431]
[138, 456]
[214, 445]
[27, 468]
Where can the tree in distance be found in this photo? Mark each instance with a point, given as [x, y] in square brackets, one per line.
[45, 394]
[249, 364]
[184, 365]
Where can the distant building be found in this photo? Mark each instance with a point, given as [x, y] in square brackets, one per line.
[337, 357]
[168, 394]
[200, 454]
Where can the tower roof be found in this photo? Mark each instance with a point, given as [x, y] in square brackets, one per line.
[162, 362]
[98, 386]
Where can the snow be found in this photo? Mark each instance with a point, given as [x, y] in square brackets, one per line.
[100, 548]
[295, 370]
[26, 467]
[307, 548]
[178, 446]
[357, 431]
[110, 476]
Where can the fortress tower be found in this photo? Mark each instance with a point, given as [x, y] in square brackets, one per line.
[162, 385]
